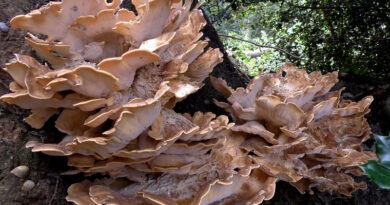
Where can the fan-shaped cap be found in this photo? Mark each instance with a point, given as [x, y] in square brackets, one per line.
[298, 130]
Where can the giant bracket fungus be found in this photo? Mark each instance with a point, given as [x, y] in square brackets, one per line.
[299, 130]
[115, 70]
[110, 77]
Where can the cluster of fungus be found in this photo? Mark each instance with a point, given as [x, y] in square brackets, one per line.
[300, 131]
[111, 77]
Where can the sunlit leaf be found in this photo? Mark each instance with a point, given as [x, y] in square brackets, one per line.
[382, 145]
[378, 173]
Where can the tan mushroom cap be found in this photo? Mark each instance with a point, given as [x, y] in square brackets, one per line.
[113, 112]
[152, 16]
[92, 38]
[155, 190]
[79, 193]
[80, 161]
[83, 80]
[190, 152]
[39, 116]
[210, 126]
[127, 127]
[55, 54]
[131, 123]
[24, 71]
[186, 35]
[178, 14]
[193, 52]
[23, 100]
[158, 43]
[199, 69]
[18, 72]
[145, 152]
[69, 124]
[204, 187]
[112, 78]
[65, 12]
[49, 149]
[347, 130]
[94, 104]
[252, 189]
[221, 86]
[253, 127]
[124, 67]
[299, 130]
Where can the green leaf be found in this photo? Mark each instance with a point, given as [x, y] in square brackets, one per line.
[378, 173]
[382, 145]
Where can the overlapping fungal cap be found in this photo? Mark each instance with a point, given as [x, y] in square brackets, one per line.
[172, 144]
[108, 72]
[230, 178]
[112, 77]
[203, 165]
[175, 189]
[300, 131]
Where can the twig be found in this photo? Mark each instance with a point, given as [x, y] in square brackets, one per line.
[262, 46]
[55, 191]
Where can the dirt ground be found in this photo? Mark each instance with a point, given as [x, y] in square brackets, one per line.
[44, 171]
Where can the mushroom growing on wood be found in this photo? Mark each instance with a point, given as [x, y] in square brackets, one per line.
[115, 70]
[227, 177]
[110, 78]
[299, 130]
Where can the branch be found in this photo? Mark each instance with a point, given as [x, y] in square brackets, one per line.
[262, 46]
[253, 54]
[341, 7]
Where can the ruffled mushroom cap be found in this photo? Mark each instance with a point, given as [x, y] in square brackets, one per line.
[203, 165]
[190, 152]
[175, 189]
[112, 77]
[172, 144]
[133, 56]
[299, 131]
[222, 183]
[112, 69]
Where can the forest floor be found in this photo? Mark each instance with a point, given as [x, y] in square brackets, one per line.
[50, 186]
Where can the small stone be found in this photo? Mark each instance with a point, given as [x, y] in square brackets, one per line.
[28, 185]
[3, 27]
[20, 171]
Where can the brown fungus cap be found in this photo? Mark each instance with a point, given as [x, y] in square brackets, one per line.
[220, 183]
[299, 131]
[106, 63]
[113, 78]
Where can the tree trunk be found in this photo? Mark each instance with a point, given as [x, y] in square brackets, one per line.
[50, 186]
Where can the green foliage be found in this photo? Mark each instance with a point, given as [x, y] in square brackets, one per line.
[383, 149]
[379, 171]
[327, 35]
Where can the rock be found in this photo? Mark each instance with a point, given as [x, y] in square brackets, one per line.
[20, 171]
[3, 27]
[28, 185]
